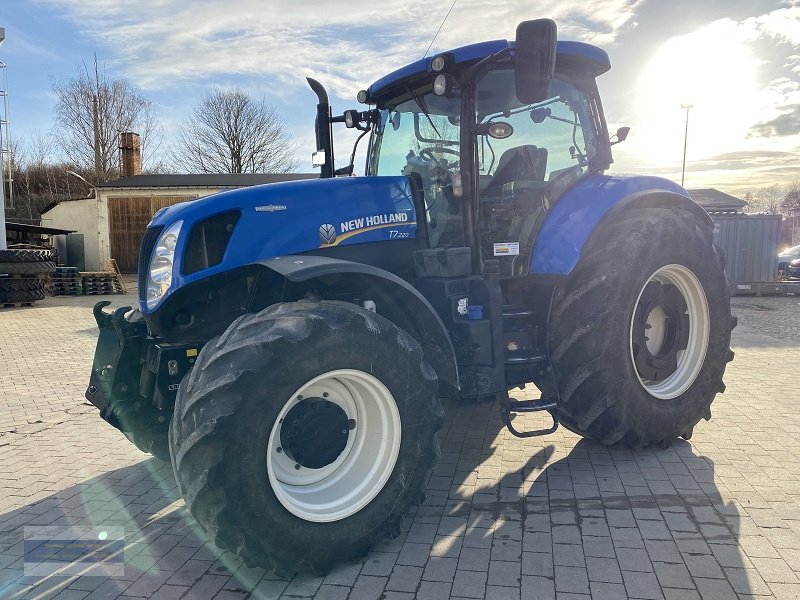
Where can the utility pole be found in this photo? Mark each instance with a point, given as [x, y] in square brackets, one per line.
[2, 171]
[685, 139]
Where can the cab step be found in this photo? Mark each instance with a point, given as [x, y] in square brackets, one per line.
[509, 407]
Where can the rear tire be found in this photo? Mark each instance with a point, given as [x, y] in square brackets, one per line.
[21, 284]
[23, 255]
[640, 332]
[21, 296]
[27, 268]
[254, 448]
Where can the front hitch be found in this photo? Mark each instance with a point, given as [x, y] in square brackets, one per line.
[117, 365]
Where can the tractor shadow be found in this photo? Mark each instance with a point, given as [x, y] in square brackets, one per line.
[163, 544]
[563, 514]
[538, 515]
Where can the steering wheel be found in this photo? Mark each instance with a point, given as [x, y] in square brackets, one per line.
[427, 154]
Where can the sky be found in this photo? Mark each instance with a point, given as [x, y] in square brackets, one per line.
[736, 63]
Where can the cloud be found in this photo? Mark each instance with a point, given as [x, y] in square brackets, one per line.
[741, 79]
[19, 43]
[748, 69]
[787, 123]
[347, 45]
[751, 155]
[780, 24]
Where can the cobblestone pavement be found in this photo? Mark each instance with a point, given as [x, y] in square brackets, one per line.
[714, 518]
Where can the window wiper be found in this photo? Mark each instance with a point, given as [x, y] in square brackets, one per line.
[422, 105]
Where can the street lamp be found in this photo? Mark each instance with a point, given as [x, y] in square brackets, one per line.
[685, 139]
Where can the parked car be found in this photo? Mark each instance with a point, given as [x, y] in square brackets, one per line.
[789, 262]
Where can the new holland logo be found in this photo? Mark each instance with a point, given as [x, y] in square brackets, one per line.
[327, 233]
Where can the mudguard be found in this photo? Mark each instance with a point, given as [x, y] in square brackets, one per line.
[577, 214]
[395, 298]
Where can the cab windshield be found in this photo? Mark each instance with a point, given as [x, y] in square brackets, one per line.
[420, 138]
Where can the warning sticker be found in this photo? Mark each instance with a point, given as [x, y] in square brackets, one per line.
[506, 249]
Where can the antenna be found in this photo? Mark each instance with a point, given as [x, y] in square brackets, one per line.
[440, 28]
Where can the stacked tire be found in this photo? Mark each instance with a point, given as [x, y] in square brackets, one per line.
[24, 274]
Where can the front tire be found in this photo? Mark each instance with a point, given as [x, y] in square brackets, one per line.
[640, 332]
[304, 433]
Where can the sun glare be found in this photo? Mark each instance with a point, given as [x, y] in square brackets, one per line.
[714, 71]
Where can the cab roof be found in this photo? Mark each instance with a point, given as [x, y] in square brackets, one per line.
[570, 57]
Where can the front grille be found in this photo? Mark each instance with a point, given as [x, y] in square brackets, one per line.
[148, 243]
[208, 240]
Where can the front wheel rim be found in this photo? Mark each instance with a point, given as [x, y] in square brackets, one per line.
[347, 479]
[669, 331]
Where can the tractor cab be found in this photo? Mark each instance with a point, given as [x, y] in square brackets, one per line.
[520, 158]
[488, 152]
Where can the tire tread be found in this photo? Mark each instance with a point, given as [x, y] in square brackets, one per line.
[200, 429]
[583, 308]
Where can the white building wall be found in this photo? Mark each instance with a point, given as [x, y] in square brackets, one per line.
[103, 233]
[81, 216]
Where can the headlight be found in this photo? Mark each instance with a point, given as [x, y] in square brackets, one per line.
[443, 84]
[161, 264]
[795, 262]
[438, 63]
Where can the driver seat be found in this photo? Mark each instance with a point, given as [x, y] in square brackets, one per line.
[521, 163]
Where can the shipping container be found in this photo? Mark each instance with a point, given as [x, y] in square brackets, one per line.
[750, 244]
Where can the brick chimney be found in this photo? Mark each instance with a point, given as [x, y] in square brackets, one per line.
[130, 154]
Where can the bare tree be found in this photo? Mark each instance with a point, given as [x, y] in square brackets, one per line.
[92, 110]
[229, 132]
[791, 201]
[38, 180]
[768, 200]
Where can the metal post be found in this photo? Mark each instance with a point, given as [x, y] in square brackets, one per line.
[2, 177]
[2, 195]
[685, 139]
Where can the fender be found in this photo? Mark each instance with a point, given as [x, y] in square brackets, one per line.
[593, 199]
[396, 299]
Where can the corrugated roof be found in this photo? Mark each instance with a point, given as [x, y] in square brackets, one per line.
[25, 227]
[713, 199]
[212, 180]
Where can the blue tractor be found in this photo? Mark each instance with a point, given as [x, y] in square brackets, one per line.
[293, 341]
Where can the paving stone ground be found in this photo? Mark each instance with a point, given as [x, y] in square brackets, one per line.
[552, 517]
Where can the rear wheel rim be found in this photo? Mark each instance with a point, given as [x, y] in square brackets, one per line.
[669, 331]
[343, 480]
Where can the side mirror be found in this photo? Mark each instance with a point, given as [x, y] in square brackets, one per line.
[536, 59]
[621, 135]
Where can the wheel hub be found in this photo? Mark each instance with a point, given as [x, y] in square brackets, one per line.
[660, 330]
[669, 332]
[333, 445]
[314, 433]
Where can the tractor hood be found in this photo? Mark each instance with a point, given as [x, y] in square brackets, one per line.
[281, 219]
